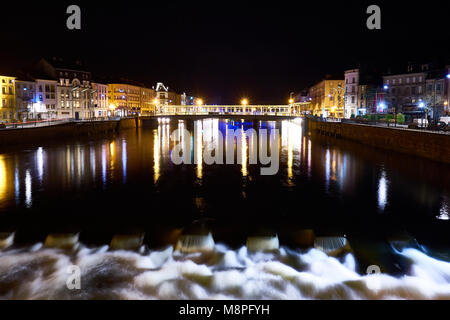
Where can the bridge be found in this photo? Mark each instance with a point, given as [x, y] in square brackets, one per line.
[257, 110]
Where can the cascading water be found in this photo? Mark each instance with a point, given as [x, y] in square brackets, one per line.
[38, 272]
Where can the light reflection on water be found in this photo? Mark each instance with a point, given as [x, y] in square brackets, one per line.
[119, 160]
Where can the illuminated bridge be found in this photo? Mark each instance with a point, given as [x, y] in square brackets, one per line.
[257, 110]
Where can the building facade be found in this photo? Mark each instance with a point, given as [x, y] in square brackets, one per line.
[351, 93]
[327, 98]
[417, 93]
[124, 99]
[162, 94]
[148, 103]
[75, 95]
[26, 102]
[101, 101]
[46, 101]
[7, 99]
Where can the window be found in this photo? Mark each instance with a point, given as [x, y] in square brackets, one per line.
[407, 80]
[353, 99]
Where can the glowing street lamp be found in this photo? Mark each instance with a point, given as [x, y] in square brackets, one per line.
[244, 102]
[199, 102]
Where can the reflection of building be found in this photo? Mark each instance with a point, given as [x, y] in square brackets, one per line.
[351, 92]
[101, 105]
[7, 99]
[327, 98]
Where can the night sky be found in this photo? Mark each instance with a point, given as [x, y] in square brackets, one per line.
[225, 50]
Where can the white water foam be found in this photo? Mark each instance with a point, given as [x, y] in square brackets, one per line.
[41, 273]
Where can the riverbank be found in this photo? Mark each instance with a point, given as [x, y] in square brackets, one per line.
[430, 145]
[64, 130]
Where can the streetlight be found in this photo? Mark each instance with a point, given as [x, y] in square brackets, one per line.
[199, 103]
[244, 103]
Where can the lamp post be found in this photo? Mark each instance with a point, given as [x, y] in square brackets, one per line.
[199, 104]
[244, 103]
[448, 92]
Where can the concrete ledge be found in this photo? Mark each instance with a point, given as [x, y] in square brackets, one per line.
[434, 146]
[66, 130]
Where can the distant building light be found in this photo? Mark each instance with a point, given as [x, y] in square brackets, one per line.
[386, 87]
[448, 76]
[421, 105]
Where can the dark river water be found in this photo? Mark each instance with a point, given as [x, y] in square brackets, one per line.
[390, 210]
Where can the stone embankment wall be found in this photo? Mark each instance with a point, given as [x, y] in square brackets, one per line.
[434, 146]
[65, 130]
